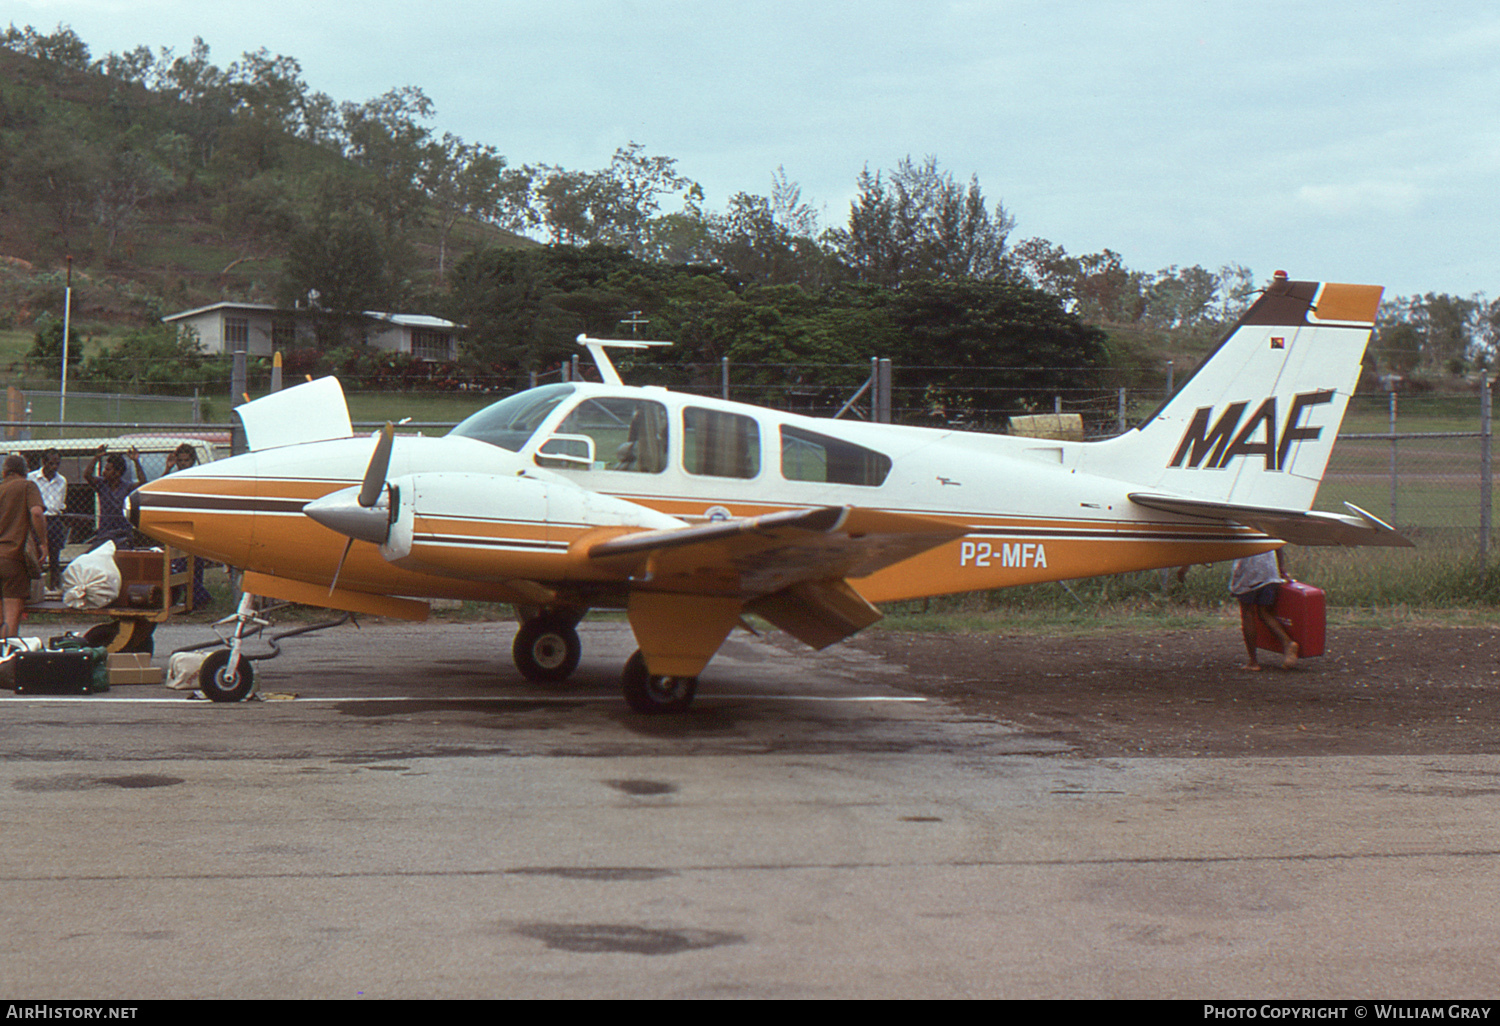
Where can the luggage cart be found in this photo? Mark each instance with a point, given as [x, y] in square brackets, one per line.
[151, 593]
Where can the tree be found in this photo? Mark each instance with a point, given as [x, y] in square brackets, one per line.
[772, 240]
[47, 344]
[918, 222]
[1015, 341]
[62, 47]
[204, 91]
[524, 308]
[384, 138]
[613, 206]
[1107, 291]
[130, 179]
[159, 358]
[1447, 325]
[466, 180]
[1181, 298]
[340, 264]
[57, 172]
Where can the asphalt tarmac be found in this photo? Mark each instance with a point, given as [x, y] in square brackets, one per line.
[405, 817]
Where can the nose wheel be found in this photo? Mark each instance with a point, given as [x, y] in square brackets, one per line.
[646, 692]
[546, 649]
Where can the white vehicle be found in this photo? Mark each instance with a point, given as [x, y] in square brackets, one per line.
[78, 454]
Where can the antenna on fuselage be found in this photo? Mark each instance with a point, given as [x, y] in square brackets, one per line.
[597, 349]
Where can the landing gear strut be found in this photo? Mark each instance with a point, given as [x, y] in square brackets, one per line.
[646, 692]
[226, 675]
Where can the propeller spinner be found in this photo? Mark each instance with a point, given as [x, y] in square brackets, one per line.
[365, 512]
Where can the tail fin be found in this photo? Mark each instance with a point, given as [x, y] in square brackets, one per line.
[1255, 424]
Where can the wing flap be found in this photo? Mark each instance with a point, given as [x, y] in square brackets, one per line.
[817, 613]
[1312, 527]
[765, 554]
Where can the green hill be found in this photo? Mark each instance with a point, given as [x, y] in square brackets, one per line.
[166, 204]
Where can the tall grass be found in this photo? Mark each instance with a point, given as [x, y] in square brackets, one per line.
[1441, 578]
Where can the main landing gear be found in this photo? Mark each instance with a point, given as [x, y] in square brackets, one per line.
[547, 650]
[650, 693]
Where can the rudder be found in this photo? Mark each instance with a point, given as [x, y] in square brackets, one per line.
[1255, 424]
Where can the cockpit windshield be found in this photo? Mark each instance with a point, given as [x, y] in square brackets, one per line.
[512, 421]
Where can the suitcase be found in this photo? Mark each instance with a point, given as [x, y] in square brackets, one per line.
[1302, 611]
[79, 671]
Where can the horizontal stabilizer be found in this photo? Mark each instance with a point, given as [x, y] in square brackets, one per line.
[1298, 528]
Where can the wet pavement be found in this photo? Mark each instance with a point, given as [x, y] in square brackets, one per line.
[404, 816]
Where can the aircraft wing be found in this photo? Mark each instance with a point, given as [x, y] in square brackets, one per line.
[1297, 527]
[760, 555]
[791, 567]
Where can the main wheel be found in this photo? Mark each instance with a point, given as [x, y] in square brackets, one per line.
[651, 693]
[213, 677]
[546, 649]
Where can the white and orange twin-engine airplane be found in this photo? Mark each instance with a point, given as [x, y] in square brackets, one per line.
[689, 512]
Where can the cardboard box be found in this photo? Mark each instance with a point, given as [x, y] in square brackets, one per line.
[133, 668]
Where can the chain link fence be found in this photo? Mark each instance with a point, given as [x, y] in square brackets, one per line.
[1420, 462]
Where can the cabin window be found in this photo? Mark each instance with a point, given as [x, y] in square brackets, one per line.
[809, 456]
[628, 435]
[511, 422]
[717, 444]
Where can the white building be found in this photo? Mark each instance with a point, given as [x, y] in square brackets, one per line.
[265, 329]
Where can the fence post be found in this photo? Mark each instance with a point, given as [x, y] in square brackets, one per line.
[1122, 411]
[1393, 458]
[724, 377]
[1486, 411]
[238, 385]
[883, 392]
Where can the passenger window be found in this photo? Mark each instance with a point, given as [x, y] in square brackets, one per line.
[610, 434]
[809, 456]
[716, 444]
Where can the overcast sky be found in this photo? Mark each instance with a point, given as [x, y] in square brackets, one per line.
[1338, 140]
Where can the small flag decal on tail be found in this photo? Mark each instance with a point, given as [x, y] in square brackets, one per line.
[1278, 342]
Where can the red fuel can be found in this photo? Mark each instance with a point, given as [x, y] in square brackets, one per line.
[1301, 610]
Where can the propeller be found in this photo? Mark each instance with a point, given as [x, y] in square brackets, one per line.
[360, 514]
[380, 461]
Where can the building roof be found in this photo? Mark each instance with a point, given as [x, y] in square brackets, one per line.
[402, 320]
[411, 320]
[217, 306]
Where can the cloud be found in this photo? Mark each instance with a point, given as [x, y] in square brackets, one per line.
[1361, 198]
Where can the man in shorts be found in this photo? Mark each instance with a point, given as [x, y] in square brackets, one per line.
[1254, 581]
[21, 525]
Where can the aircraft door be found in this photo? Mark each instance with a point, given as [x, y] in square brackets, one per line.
[610, 434]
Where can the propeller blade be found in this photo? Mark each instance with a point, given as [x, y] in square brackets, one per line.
[333, 585]
[380, 462]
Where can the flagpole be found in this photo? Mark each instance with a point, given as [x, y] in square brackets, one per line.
[62, 395]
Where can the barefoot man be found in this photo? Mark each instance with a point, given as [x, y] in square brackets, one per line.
[1254, 581]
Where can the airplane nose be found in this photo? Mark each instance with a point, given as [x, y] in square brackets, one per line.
[133, 508]
[341, 511]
